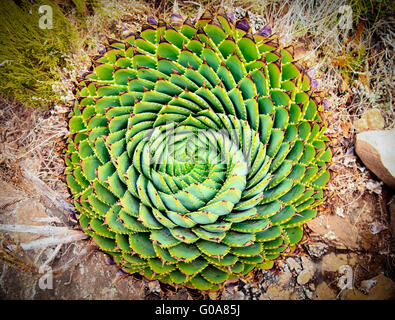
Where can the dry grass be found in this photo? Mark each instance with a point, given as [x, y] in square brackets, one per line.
[17, 259]
[31, 138]
[320, 31]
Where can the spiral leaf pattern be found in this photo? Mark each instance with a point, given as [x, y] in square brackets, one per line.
[196, 151]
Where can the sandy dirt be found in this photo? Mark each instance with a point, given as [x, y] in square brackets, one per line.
[350, 254]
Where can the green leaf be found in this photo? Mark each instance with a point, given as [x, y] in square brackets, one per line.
[283, 216]
[105, 72]
[163, 238]
[157, 266]
[184, 252]
[294, 234]
[76, 124]
[134, 260]
[200, 283]
[214, 275]
[251, 226]
[147, 218]
[106, 244]
[268, 234]
[194, 267]
[228, 260]
[268, 210]
[248, 49]
[239, 216]
[209, 236]
[167, 50]
[237, 239]
[217, 227]
[274, 75]
[301, 218]
[248, 251]
[164, 254]
[289, 71]
[178, 277]
[212, 249]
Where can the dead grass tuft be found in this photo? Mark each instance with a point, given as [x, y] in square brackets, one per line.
[17, 259]
[30, 139]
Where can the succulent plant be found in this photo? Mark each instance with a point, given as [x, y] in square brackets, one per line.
[196, 151]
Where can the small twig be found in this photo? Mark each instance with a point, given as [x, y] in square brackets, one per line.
[72, 236]
[53, 255]
[55, 198]
[45, 230]
[48, 219]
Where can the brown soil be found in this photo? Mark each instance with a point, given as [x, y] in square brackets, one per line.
[350, 254]
[353, 229]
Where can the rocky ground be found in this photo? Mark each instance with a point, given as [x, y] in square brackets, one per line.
[350, 254]
[348, 257]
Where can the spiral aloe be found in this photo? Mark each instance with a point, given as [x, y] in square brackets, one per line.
[196, 151]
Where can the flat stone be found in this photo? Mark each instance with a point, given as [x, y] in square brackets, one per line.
[370, 120]
[375, 148]
[317, 249]
[323, 292]
[384, 289]
[300, 53]
[307, 263]
[233, 295]
[334, 229]
[9, 195]
[308, 293]
[304, 277]
[332, 261]
[29, 212]
[278, 293]
[293, 264]
[285, 278]
[366, 285]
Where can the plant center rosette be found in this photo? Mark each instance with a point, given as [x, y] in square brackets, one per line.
[196, 151]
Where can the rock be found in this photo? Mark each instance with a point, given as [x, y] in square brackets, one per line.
[334, 229]
[345, 281]
[277, 293]
[317, 249]
[332, 261]
[384, 289]
[233, 295]
[293, 264]
[29, 212]
[366, 285]
[108, 293]
[312, 286]
[355, 231]
[304, 277]
[323, 292]
[392, 221]
[307, 273]
[374, 186]
[308, 293]
[300, 53]
[376, 227]
[307, 263]
[375, 148]
[370, 120]
[285, 278]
